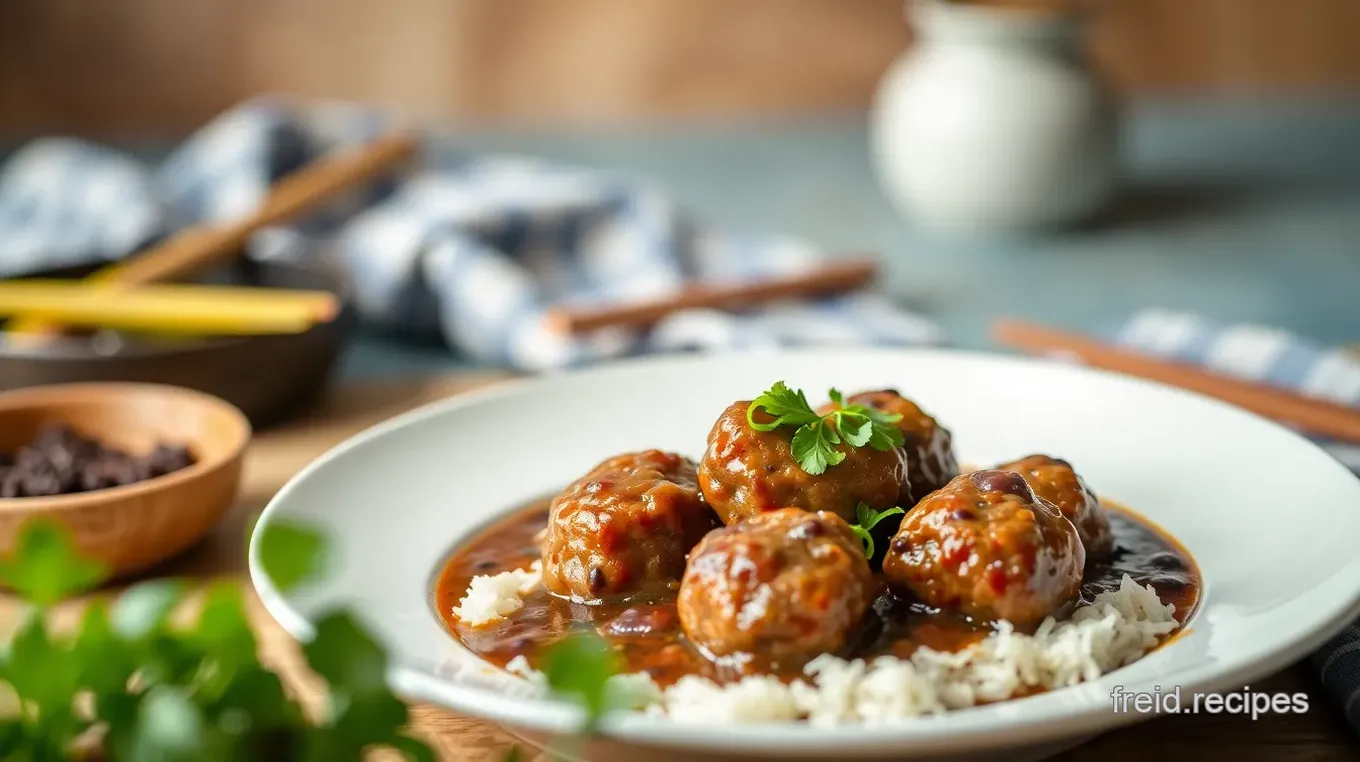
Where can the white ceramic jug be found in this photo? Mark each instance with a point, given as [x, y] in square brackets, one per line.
[994, 121]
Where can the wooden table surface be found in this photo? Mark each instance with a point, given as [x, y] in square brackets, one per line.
[1316, 736]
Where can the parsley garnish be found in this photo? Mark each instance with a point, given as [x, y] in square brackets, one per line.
[815, 441]
[145, 685]
[868, 519]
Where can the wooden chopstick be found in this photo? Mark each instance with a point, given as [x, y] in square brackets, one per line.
[198, 248]
[833, 277]
[170, 309]
[1317, 417]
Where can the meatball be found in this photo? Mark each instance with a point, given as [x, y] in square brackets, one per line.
[786, 585]
[928, 445]
[1055, 481]
[622, 530]
[746, 472]
[985, 545]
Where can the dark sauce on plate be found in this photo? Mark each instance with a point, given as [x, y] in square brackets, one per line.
[648, 636]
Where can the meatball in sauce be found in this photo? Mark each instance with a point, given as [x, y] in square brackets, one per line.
[988, 547]
[1054, 480]
[785, 586]
[927, 445]
[623, 530]
[745, 472]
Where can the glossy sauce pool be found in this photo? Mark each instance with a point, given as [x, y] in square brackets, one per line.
[649, 639]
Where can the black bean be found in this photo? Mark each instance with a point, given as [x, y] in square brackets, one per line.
[963, 514]
[901, 544]
[59, 460]
[486, 564]
[1008, 482]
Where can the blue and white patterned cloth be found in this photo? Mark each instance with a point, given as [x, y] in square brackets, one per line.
[474, 248]
[1270, 355]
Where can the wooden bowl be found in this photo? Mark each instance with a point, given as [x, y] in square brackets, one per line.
[132, 527]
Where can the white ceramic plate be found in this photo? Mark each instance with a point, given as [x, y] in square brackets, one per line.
[1271, 519]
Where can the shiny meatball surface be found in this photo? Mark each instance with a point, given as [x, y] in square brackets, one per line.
[623, 529]
[785, 585]
[1055, 481]
[986, 546]
[928, 445]
[745, 472]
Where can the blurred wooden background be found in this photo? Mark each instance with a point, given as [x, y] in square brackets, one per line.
[161, 67]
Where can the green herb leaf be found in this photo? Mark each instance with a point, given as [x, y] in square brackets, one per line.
[815, 439]
[814, 447]
[836, 398]
[373, 717]
[877, 516]
[788, 407]
[885, 434]
[578, 667]
[169, 726]
[868, 519]
[260, 693]
[866, 538]
[144, 608]
[291, 554]
[44, 566]
[345, 655]
[223, 630]
[856, 429]
[40, 671]
[105, 662]
[11, 738]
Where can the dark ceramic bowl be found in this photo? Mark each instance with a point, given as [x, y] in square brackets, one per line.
[270, 378]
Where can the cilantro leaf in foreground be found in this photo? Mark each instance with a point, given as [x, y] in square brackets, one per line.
[106, 662]
[44, 566]
[144, 608]
[223, 629]
[291, 554]
[579, 667]
[868, 519]
[169, 725]
[346, 655]
[42, 671]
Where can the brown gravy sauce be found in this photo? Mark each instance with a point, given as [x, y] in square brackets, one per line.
[648, 636]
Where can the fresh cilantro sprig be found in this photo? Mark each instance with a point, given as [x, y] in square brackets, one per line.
[868, 519]
[142, 687]
[817, 437]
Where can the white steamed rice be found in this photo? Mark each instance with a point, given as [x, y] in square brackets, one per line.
[490, 597]
[1117, 628]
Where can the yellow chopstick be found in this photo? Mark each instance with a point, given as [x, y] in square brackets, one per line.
[170, 309]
